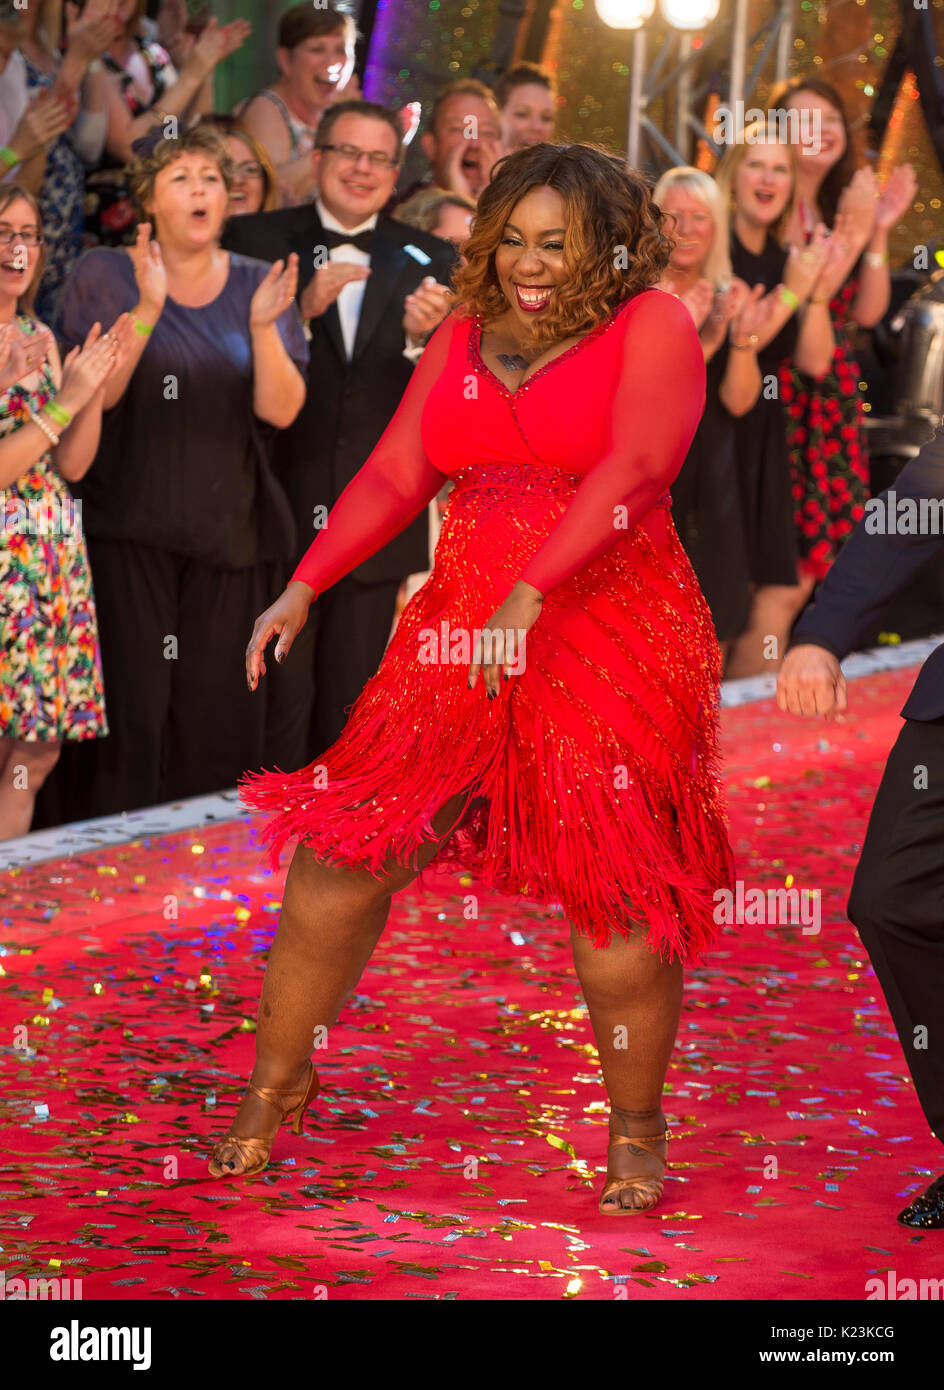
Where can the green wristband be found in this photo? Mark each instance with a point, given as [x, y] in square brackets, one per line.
[57, 413]
[10, 157]
[789, 297]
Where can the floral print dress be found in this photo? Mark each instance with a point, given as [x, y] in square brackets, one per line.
[50, 665]
[829, 463]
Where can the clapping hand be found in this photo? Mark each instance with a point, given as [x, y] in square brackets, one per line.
[94, 31]
[86, 369]
[804, 264]
[748, 321]
[21, 353]
[896, 197]
[44, 119]
[275, 293]
[726, 304]
[215, 44]
[858, 202]
[841, 252]
[698, 301]
[426, 307]
[326, 284]
[149, 271]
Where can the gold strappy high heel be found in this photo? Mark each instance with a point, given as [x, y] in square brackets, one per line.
[255, 1152]
[646, 1186]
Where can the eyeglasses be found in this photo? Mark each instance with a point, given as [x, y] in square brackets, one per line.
[351, 154]
[250, 170]
[8, 238]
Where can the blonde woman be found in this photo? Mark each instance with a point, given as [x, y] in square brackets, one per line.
[757, 182]
[706, 499]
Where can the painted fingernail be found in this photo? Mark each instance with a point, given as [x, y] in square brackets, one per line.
[280, 657]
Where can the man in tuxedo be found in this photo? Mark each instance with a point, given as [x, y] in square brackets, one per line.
[371, 291]
[897, 900]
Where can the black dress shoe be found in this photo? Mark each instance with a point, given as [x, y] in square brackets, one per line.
[927, 1211]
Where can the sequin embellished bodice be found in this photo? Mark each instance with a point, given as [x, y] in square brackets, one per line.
[615, 412]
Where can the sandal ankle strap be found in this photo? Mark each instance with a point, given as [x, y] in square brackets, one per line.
[647, 1139]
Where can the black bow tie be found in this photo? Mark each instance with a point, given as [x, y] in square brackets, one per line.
[362, 240]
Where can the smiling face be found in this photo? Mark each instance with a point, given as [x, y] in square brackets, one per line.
[528, 116]
[822, 133]
[189, 203]
[18, 262]
[692, 226]
[314, 68]
[352, 190]
[763, 183]
[248, 191]
[529, 259]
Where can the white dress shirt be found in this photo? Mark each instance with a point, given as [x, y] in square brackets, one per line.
[351, 298]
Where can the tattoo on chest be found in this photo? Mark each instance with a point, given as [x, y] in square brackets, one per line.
[513, 362]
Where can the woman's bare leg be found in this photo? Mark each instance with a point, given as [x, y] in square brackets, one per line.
[332, 918]
[635, 1001]
[24, 767]
[762, 645]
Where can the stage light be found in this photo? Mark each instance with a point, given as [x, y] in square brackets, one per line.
[689, 14]
[625, 14]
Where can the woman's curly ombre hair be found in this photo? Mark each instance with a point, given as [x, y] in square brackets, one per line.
[614, 245]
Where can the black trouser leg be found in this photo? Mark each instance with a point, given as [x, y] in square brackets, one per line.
[353, 629]
[289, 694]
[897, 904]
[215, 724]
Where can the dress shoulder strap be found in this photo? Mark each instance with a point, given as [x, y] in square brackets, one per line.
[284, 113]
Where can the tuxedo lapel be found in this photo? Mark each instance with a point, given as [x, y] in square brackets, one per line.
[310, 233]
[387, 262]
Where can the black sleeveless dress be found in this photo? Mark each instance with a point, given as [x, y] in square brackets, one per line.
[763, 454]
[707, 510]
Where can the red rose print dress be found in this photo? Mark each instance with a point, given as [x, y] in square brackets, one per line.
[591, 781]
[829, 464]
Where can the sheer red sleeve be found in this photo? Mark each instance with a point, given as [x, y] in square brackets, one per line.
[396, 482]
[658, 402]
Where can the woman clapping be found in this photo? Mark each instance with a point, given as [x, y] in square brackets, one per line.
[187, 526]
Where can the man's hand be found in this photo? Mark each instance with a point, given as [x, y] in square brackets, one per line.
[426, 307]
[811, 682]
[326, 284]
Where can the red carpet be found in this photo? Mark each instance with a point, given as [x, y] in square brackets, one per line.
[458, 1148]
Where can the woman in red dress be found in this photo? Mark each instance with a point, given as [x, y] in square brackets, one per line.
[545, 715]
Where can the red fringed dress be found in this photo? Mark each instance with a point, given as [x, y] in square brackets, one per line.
[591, 782]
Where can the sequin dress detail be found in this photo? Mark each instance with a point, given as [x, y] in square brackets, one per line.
[591, 781]
[50, 663]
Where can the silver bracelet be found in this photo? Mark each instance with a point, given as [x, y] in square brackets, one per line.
[47, 430]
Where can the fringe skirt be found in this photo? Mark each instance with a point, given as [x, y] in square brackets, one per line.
[591, 782]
